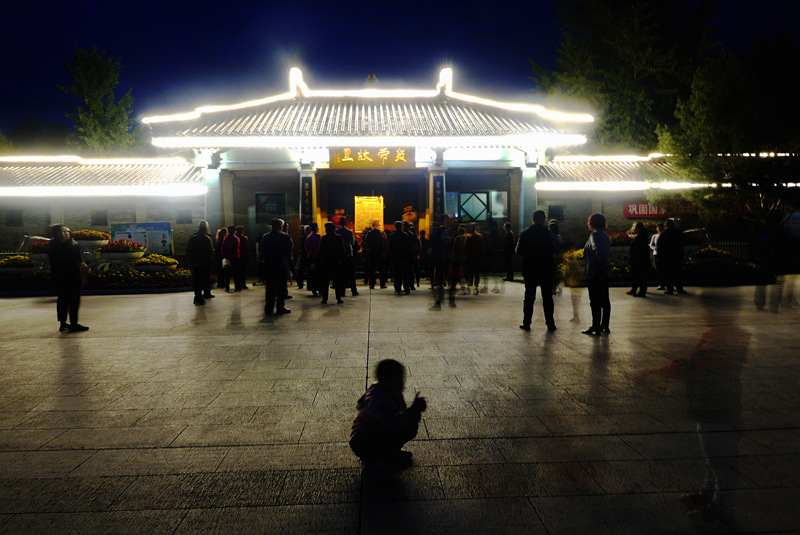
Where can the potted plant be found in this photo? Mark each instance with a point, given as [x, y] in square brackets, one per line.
[90, 239]
[37, 250]
[16, 264]
[122, 250]
[154, 262]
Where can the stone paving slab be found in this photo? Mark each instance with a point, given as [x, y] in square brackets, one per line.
[170, 418]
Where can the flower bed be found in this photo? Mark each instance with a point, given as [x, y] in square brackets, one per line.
[619, 239]
[17, 261]
[155, 260]
[123, 246]
[39, 282]
[39, 247]
[90, 235]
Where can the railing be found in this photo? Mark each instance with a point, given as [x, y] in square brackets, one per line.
[736, 248]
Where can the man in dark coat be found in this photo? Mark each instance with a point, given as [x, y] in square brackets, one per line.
[348, 266]
[670, 252]
[536, 245]
[375, 247]
[200, 251]
[331, 256]
[400, 255]
[275, 255]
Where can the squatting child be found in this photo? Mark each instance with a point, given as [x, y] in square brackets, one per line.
[384, 423]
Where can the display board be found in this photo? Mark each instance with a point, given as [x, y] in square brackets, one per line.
[157, 237]
[367, 210]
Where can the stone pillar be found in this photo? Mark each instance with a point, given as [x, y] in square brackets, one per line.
[527, 196]
[226, 192]
[213, 199]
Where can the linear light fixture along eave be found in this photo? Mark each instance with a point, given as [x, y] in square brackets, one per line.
[301, 142]
[617, 186]
[150, 190]
[298, 87]
[70, 158]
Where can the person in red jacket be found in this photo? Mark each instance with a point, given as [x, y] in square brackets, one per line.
[384, 423]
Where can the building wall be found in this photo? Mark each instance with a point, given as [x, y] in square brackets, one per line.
[38, 214]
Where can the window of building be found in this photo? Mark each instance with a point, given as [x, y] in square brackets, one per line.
[184, 217]
[473, 205]
[99, 218]
[269, 206]
[14, 218]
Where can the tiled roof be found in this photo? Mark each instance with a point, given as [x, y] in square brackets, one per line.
[98, 173]
[606, 171]
[314, 117]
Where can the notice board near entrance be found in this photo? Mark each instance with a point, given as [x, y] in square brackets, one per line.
[367, 210]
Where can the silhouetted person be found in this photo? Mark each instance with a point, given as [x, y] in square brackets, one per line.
[656, 258]
[275, 257]
[200, 252]
[67, 270]
[331, 256]
[670, 252]
[348, 264]
[375, 244]
[537, 246]
[400, 255]
[220, 236]
[639, 260]
[312, 257]
[598, 273]
[230, 257]
[474, 257]
[384, 423]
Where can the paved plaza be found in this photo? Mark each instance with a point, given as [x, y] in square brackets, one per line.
[171, 418]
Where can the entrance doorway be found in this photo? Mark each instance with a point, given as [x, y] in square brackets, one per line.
[402, 194]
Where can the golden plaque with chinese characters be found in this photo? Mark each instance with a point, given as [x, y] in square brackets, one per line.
[357, 157]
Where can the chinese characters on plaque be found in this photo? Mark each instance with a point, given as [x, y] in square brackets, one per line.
[306, 200]
[371, 157]
[643, 210]
[438, 199]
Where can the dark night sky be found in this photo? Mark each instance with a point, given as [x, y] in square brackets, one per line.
[180, 55]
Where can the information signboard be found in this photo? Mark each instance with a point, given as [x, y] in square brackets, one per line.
[157, 236]
[368, 209]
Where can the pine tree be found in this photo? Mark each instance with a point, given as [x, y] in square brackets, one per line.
[102, 123]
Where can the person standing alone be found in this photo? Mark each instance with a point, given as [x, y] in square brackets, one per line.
[200, 251]
[67, 269]
[275, 256]
[598, 272]
[536, 245]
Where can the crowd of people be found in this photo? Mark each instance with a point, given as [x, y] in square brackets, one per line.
[451, 258]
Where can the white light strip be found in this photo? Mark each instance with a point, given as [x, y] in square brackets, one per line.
[303, 142]
[152, 190]
[66, 158]
[298, 87]
[617, 186]
[620, 158]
